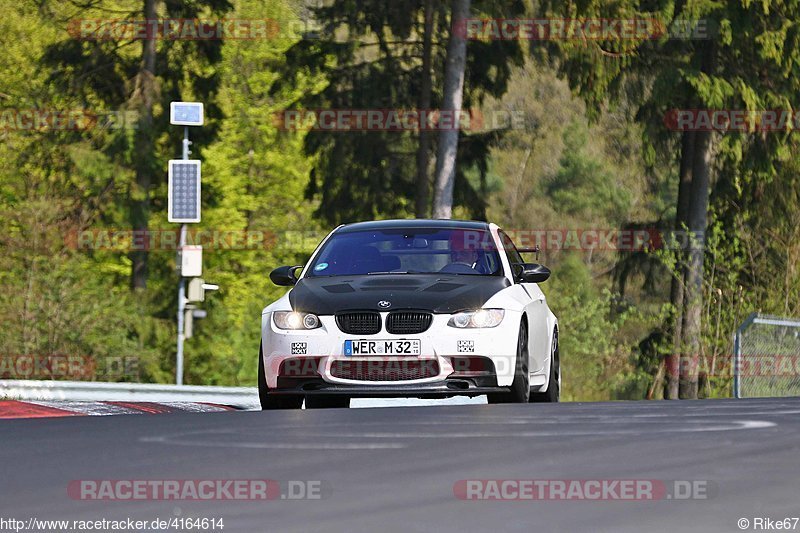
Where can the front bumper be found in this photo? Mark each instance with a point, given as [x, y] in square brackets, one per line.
[439, 389]
[441, 345]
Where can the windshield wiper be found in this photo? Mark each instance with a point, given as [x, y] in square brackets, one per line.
[384, 272]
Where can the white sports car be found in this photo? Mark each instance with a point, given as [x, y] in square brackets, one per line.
[416, 308]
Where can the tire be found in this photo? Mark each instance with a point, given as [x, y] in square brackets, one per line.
[321, 401]
[553, 392]
[272, 401]
[520, 387]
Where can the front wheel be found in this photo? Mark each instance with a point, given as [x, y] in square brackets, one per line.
[520, 387]
[272, 401]
[553, 392]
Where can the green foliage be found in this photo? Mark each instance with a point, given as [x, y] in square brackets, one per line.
[563, 173]
[57, 302]
[255, 181]
[592, 360]
[593, 154]
[369, 56]
[583, 185]
[54, 184]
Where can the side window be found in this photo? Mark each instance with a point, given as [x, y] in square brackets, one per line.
[514, 257]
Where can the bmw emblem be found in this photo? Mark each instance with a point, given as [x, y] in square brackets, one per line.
[384, 304]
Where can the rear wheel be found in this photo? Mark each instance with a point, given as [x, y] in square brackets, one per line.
[321, 401]
[553, 392]
[271, 401]
[520, 387]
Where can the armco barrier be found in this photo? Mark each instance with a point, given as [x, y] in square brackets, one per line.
[14, 389]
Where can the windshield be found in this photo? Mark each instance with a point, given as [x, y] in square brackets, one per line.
[404, 250]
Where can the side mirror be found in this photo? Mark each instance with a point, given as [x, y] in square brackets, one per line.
[532, 273]
[284, 276]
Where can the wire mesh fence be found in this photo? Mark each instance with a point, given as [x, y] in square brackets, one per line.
[767, 357]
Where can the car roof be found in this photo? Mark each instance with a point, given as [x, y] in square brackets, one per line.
[413, 223]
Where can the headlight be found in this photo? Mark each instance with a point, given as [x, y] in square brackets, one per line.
[481, 318]
[295, 320]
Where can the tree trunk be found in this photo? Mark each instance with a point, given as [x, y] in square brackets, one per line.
[672, 364]
[693, 298]
[697, 215]
[424, 150]
[453, 96]
[143, 100]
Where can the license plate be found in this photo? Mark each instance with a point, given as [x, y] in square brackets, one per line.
[382, 347]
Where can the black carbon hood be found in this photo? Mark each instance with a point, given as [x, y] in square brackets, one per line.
[439, 293]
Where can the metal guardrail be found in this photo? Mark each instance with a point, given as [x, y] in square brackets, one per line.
[16, 389]
[242, 397]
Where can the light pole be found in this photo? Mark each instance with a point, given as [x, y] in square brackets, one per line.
[184, 207]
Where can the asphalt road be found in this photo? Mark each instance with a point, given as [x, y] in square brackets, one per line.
[395, 469]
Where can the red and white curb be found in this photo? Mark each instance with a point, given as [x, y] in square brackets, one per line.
[45, 409]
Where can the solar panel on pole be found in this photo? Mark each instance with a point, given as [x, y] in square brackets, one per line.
[183, 201]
